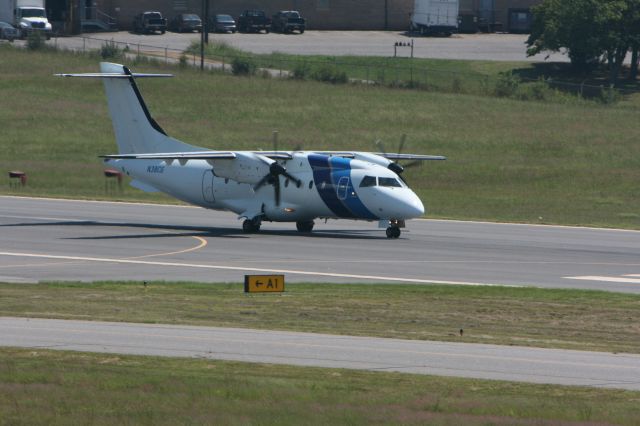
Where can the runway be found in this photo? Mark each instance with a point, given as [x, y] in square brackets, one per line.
[47, 239]
[553, 366]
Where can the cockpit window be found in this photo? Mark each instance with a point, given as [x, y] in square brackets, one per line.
[387, 181]
[368, 181]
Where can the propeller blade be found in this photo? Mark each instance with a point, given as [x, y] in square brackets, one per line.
[297, 181]
[262, 182]
[275, 140]
[403, 138]
[276, 186]
[380, 146]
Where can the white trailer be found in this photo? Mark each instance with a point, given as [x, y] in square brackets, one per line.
[435, 16]
[26, 16]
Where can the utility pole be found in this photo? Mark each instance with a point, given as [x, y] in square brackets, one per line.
[202, 36]
[205, 21]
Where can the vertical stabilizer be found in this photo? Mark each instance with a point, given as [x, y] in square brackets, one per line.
[135, 130]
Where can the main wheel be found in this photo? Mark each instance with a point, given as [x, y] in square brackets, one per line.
[305, 225]
[250, 226]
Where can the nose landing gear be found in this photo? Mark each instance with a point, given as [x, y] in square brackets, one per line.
[393, 232]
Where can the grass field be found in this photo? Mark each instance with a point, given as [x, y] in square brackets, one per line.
[573, 319]
[556, 82]
[508, 160]
[56, 388]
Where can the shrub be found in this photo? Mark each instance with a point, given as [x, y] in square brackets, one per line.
[110, 50]
[608, 95]
[536, 91]
[183, 61]
[242, 66]
[330, 74]
[506, 85]
[300, 71]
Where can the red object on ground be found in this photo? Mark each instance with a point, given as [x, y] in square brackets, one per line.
[112, 173]
[17, 174]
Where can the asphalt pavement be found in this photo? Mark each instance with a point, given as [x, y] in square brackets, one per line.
[47, 239]
[533, 365]
[488, 47]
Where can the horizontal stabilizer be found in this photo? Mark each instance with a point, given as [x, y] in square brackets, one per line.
[196, 155]
[112, 75]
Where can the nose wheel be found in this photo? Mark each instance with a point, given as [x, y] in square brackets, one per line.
[393, 232]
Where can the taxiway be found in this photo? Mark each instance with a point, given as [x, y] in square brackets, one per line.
[48, 239]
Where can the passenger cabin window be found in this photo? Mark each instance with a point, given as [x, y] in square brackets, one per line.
[386, 181]
[368, 181]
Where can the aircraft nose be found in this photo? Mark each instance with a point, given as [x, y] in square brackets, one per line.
[413, 207]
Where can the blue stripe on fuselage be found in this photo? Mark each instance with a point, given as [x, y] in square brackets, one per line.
[327, 172]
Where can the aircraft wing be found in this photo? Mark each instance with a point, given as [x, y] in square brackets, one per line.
[413, 157]
[387, 155]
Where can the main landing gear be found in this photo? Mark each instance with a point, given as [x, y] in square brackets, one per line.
[251, 226]
[305, 226]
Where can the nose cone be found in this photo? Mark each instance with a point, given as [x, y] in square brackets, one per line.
[412, 206]
[403, 204]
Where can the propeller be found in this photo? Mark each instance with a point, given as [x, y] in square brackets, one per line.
[395, 166]
[275, 171]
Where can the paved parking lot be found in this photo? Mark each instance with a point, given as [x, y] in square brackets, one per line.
[498, 47]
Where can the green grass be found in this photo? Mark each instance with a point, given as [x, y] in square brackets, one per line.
[556, 82]
[47, 387]
[574, 319]
[540, 162]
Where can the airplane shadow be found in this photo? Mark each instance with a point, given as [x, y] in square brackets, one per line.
[197, 231]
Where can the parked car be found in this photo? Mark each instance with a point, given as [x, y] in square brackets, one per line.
[149, 22]
[288, 21]
[253, 21]
[186, 22]
[7, 32]
[223, 24]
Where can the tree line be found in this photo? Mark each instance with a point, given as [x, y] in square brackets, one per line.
[592, 32]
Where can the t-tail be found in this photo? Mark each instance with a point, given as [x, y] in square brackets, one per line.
[135, 130]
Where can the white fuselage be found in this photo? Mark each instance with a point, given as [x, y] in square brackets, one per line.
[330, 188]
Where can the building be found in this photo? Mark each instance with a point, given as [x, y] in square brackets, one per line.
[69, 16]
[498, 15]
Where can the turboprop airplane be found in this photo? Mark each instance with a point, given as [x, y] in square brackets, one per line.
[280, 186]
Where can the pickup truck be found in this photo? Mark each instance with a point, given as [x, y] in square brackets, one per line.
[253, 21]
[149, 22]
[288, 21]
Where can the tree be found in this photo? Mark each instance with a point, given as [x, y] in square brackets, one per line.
[568, 24]
[589, 30]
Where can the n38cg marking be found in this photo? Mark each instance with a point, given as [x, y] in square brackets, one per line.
[280, 186]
